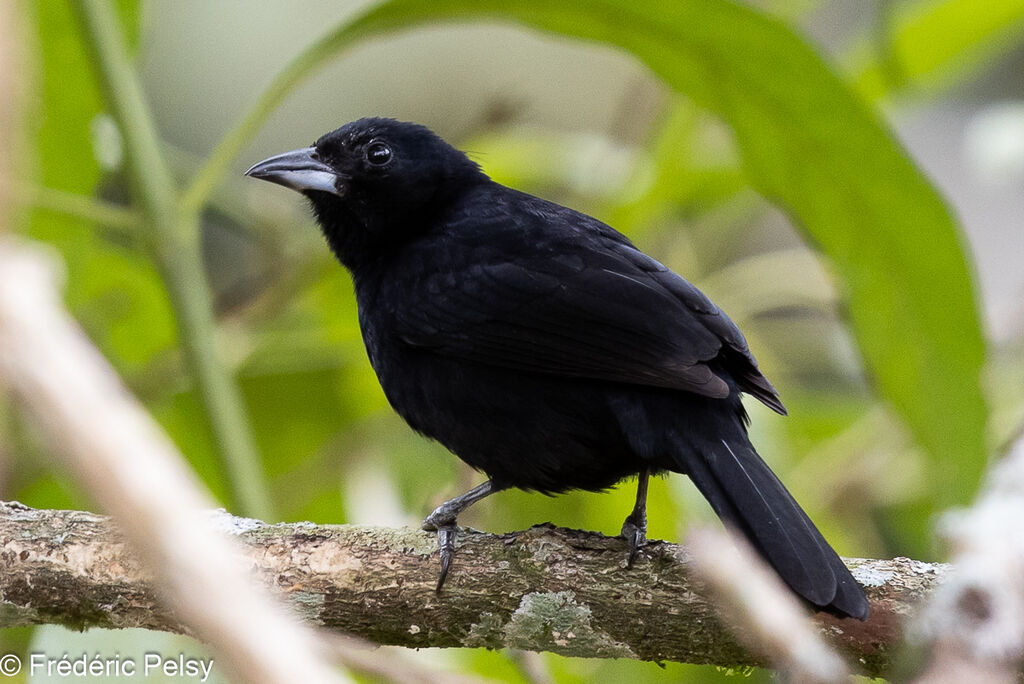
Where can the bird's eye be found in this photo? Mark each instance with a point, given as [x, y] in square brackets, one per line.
[378, 153]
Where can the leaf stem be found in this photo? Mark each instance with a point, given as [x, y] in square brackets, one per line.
[174, 237]
[79, 206]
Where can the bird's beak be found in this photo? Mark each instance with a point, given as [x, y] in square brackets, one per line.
[299, 170]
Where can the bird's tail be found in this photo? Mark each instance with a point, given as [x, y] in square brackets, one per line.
[746, 494]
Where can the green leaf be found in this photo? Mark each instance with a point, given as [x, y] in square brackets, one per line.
[69, 99]
[115, 293]
[813, 148]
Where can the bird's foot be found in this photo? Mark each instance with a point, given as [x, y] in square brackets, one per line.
[635, 533]
[443, 520]
[446, 531]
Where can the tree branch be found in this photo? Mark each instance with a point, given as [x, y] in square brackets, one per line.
[544, 589]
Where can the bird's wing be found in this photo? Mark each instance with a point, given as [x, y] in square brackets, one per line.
[594, 308]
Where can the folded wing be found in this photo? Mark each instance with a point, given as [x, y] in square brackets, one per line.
[593, 307]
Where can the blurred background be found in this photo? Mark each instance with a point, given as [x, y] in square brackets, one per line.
[587, 125]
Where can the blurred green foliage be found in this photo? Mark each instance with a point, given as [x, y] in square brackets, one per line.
[933, 44]
[873, 339]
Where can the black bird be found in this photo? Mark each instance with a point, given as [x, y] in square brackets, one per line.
[544, 349]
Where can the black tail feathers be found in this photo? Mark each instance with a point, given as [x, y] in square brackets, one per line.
[745, 493]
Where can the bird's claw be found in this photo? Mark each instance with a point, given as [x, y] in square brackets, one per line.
[446, 530]
[446, 546]
[635, 536]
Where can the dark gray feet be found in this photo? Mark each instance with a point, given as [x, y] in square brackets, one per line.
[443, 520]
[446, 549]
[634, 529]
[635, 534]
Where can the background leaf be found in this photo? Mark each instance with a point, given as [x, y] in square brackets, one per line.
[935, 43]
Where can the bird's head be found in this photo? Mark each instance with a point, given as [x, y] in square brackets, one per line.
[373, 183]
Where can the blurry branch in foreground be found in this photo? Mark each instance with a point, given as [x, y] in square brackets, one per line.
[118, 453]
[976, 620]
[765, 616]
[543, 589]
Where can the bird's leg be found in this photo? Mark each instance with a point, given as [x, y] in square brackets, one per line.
[634, 529]
[443, 520]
